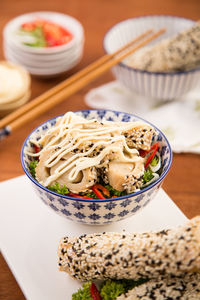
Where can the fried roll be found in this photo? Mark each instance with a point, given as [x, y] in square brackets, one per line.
[132, 256]
[185, 287]
[178, 53]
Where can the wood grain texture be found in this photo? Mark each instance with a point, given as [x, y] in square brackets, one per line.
[97, 16]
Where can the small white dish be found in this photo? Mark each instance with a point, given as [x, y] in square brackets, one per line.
[50, 61]
[64, 61]
[41, 57]
[46, 72]
[68, 22]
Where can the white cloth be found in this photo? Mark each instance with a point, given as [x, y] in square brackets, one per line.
[179, 119]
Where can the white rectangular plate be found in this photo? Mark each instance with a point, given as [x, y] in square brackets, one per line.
[30, 232]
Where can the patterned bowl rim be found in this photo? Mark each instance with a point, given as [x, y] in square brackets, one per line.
[123, 65]
[98, 200]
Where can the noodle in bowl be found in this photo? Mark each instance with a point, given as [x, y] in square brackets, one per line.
[96, 211]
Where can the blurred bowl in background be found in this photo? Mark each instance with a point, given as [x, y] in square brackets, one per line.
[44, 61]
[157, 85]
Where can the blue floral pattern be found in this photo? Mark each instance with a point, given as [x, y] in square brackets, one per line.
[54, 207]
[63, 201]
[136, 208]
[125, 202]
[109, 216]
[123, 213]
[79, 215]
[78, 205]
[66, 212]
[139, 198]
[94, 217]
[110, 205]
[94, 206]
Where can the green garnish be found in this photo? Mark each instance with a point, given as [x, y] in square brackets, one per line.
[83, 293]
[37, 34]
[114, 192]
[154, 161]
[148, 175]
[91, 195]
[111, 289]
[63, 190]
[32, 166]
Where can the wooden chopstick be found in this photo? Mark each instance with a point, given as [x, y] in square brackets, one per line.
[38, 100]
[76, 85]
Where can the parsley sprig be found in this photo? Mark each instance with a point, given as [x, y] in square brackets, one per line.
[148, 175]
[154, 161]
[32, 166]
[57, 188]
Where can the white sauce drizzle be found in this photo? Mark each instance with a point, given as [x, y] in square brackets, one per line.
[74, 132]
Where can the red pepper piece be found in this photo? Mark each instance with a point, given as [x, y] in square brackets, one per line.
[154, 147]
[103, 189]
[37, 149]
[78, 196]
[97, 192]
[94, 292]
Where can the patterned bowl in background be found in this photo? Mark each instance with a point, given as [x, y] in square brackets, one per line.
[159, 86]
[97, 211]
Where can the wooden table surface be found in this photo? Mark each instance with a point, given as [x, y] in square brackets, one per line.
[97, 16]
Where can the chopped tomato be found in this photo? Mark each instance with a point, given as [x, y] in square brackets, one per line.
[39, 22]
[52, 29]
[54, 34]
[28, 26]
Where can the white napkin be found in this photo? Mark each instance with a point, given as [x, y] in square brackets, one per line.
[179, 119]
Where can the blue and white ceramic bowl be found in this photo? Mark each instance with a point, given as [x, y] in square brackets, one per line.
[98, 211]
[159, 86]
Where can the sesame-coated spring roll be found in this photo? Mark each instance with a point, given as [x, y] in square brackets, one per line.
[179, 53]
[132, 256]
[185, 287]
